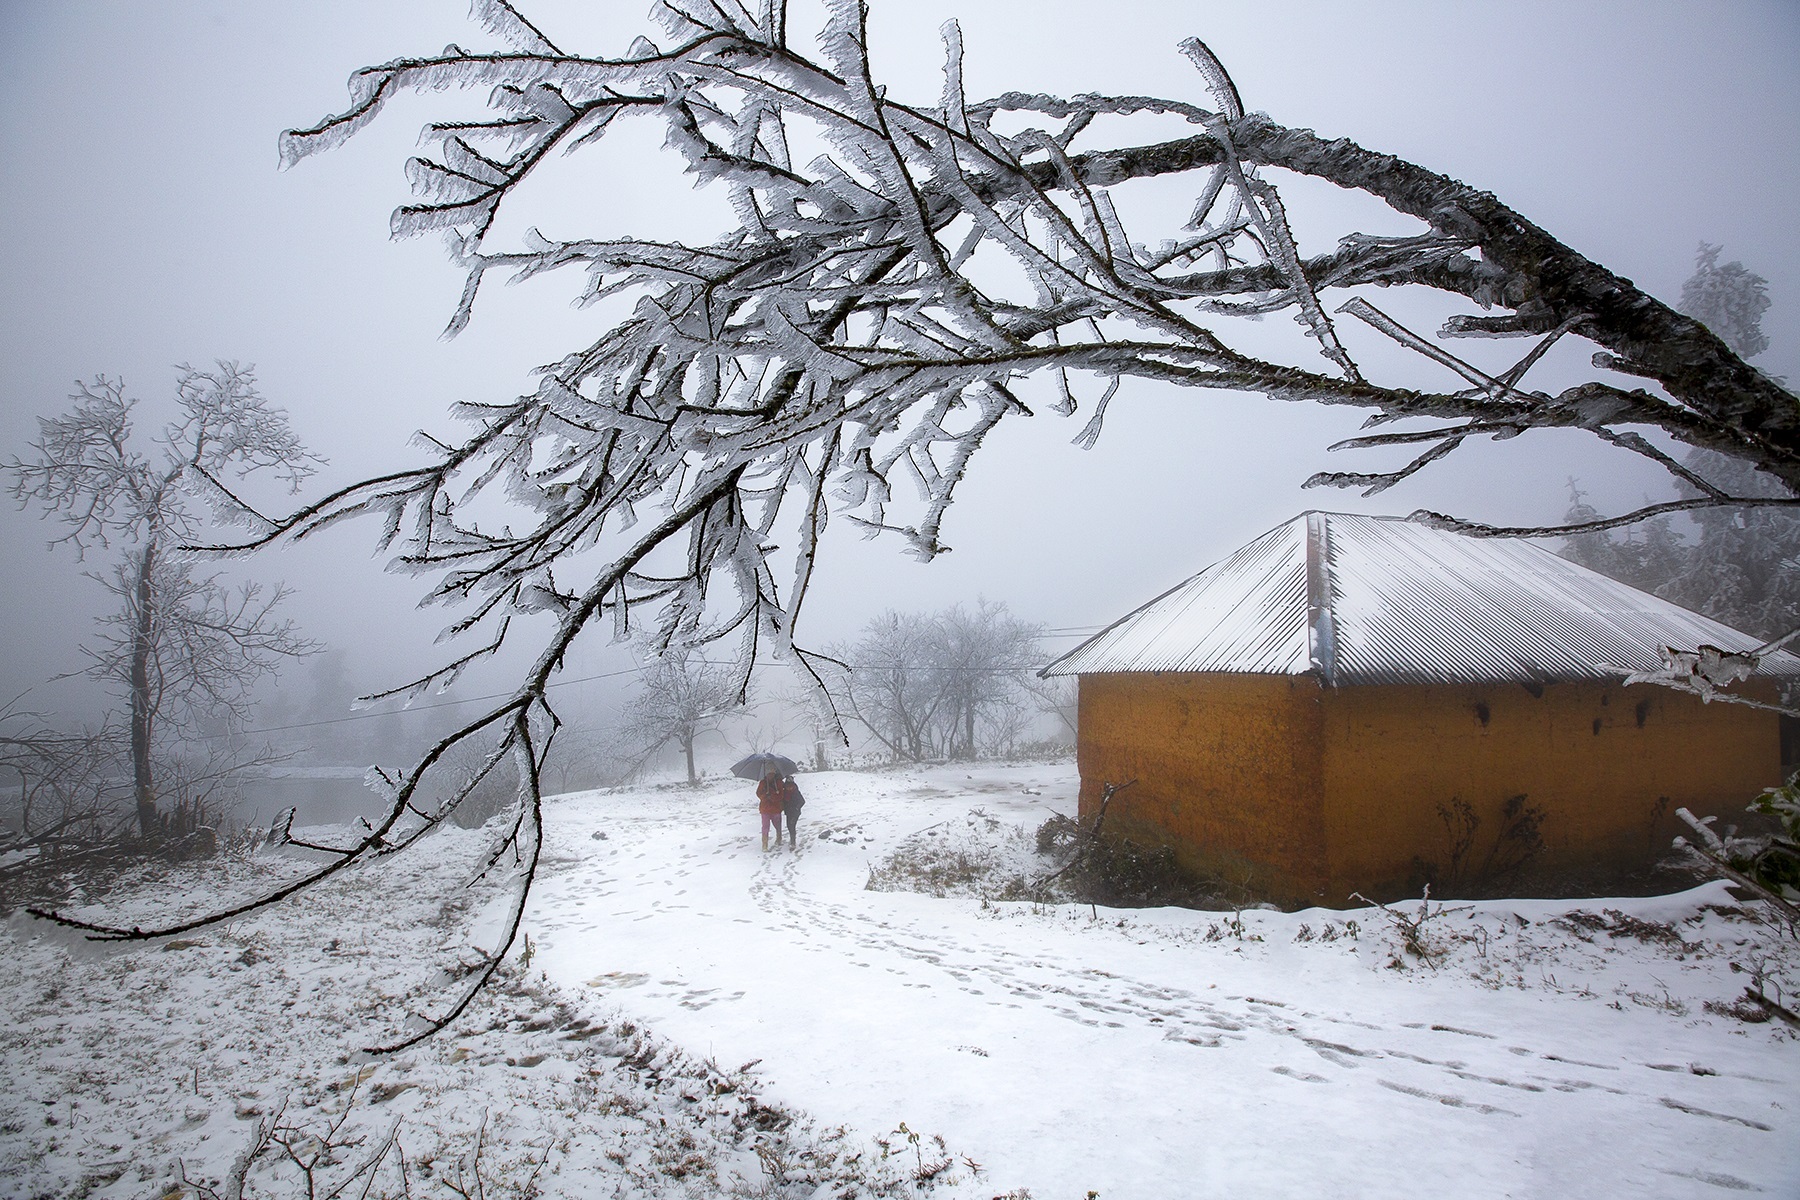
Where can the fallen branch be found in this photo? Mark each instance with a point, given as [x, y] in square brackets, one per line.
[1086, 842]
[1713, 853]
[1774, 1009]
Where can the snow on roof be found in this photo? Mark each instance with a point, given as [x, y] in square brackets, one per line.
[1382, 600]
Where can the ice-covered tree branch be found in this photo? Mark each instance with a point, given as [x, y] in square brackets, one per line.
[887, 281]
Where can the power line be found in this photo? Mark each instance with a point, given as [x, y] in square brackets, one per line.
[413, 708]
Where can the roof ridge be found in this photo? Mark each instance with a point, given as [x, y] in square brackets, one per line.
[1332, 512]
[1321, 620]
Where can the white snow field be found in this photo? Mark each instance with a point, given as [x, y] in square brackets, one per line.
[1556, 1048]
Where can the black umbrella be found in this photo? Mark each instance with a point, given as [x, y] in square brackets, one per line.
[758, 765]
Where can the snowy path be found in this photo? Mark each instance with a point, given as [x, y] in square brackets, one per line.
[1122, 1052]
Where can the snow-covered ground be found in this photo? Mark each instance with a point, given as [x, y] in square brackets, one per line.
[1554, 1048]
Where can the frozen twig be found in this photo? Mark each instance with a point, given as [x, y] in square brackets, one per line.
[1414, 930]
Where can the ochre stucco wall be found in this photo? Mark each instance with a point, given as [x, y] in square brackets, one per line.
[1319, 792]
[1198, 747]
[1602, 766]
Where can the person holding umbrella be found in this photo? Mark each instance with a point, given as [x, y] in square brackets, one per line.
[769, 797]
[777, 795]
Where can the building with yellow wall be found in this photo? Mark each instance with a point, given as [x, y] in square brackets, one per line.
[1362, 704]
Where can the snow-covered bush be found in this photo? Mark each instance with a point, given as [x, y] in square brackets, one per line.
[978, 856]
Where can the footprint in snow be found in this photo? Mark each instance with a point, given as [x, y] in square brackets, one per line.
[1449, 1101]
[1303, 1076]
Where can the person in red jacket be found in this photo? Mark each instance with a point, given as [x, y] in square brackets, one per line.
[769, 796]
[778, 795]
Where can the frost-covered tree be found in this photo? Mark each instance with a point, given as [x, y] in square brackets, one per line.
[1646, 555]
[69, 799]
[681, 697]
[887, 686]
[1743, 566]
[1730, 300]
[892, 280]
[931, 686]
[183, 650]
[984, 656]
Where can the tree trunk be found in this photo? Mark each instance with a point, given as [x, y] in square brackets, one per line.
[143, 785]
[687, 748]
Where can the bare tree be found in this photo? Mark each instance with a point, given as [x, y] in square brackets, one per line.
[68, 810]
[946, 685]
[888, 686]
[681, 697]
[796, 713]
[850, 330]
[984, 655]
[181, 647]
[1057, 697]
[74, 801]
[584, 757]
[70, 799]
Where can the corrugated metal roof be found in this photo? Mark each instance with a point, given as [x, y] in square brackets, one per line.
[1381, 600]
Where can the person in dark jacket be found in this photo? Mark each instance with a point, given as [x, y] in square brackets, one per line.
[791, 803]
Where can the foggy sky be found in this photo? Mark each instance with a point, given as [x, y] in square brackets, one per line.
[148, 225]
